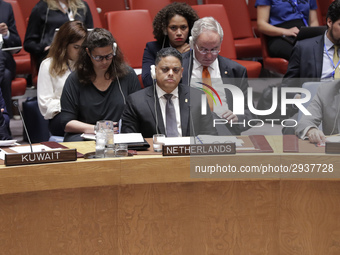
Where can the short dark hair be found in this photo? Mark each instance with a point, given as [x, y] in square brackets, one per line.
[334, 11]
[166, 52]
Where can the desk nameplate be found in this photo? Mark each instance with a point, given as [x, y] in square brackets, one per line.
[199, 149]
[332, 147]
[42, 157]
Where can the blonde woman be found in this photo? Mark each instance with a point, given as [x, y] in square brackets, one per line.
[46, 16]
[55, 69]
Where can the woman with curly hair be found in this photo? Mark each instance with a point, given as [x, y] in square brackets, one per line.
[171, 28]
[46, 16]
[55, 69]
[99, 86]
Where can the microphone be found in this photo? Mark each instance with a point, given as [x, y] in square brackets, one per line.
[15, 103]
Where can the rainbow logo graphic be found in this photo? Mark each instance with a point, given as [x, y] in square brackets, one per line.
[209, 93]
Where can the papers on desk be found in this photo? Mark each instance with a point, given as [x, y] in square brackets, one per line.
[25, 149]
[333, 139]
[120, 138]
[8, 143]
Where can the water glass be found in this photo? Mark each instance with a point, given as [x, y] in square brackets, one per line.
[158, 142]
[121, 150]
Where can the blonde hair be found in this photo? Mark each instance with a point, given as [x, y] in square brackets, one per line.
[74, 5]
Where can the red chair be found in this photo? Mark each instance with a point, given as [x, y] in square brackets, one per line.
[189, 2]
[247, 46]
[277, 65]
[132, 30]
[26, 8]
[95, 15]
[228, 47]
[153, 6]
[322, 10]
[253, 17]
[108, 6]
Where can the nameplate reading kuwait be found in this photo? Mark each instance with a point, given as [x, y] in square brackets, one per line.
[199, 149]
[40, 157]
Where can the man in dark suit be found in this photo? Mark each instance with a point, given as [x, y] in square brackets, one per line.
[312, 58]
[207, 36]
[146, 111]
[10, 38]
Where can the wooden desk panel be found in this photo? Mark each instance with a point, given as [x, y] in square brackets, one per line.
[151, 205]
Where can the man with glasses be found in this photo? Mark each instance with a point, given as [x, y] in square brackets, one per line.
[166, 108]
[203, 64]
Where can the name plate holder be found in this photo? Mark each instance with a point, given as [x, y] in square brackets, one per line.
[42, 157]
[332, 147]
[199, 149]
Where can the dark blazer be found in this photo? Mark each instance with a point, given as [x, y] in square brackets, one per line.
[7, 16]
[139, 115]
[149, 58]
[305, 62]
[231, 73]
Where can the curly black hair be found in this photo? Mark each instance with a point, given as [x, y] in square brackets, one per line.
[163, 17]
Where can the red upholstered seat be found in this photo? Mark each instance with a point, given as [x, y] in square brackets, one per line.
[108, 6]
[18, 87]
[247, 46]
[278, 65]
[228, 47]
[95, 15]
[151, 5]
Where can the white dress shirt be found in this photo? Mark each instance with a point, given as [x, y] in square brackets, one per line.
[216, 81]
[175, 101]
[49, 90]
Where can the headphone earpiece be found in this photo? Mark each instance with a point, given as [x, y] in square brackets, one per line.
[114, 48]
[191, 42]
[153, 72]
[165, 32]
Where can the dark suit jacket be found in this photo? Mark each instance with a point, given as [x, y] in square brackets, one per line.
[305, 62]
[7, 16]
[149, 58]
[139, 115]
[231, 73]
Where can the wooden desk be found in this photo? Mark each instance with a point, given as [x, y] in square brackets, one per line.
[151, 205]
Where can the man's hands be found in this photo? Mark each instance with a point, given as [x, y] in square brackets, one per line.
[316, 136]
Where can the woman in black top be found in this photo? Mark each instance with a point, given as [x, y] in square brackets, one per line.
[48, 15]
[98, 87]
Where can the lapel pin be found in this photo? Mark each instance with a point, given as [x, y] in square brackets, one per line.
[226, 72]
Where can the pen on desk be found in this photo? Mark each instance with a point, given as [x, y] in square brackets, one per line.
[199, 139]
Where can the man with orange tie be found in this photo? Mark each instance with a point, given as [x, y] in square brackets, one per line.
[167, 107]
[203, 64]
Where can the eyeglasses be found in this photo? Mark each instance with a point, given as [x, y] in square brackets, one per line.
[205, 51]
[176, 70]
[101, 58]
[175, 28]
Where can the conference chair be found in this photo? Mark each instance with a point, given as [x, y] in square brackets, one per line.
[108, 6]
[276, 65]
[151, 5]
[95, 15]
[132, 29]
[323, 8]
[247, 46]
[26, 8]
[253, 17]
[189, 2]
[228, 47]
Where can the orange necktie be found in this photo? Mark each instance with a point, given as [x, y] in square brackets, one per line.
[207, 80]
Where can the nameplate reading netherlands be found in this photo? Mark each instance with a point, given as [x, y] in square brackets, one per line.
[51, 156]
[199, 149]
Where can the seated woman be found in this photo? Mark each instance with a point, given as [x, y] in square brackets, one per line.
[46, 16]
[281, 22]
[171, 28]
[55, 69]
[98, 87]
